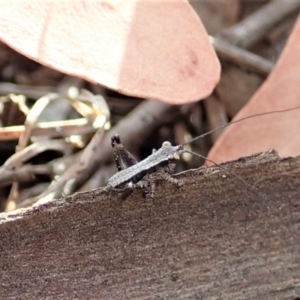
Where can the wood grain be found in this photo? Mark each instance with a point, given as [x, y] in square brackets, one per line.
[215, 238]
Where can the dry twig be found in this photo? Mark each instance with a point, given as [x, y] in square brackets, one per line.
[256, 26]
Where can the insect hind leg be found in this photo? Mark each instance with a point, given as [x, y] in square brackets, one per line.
[161, 173]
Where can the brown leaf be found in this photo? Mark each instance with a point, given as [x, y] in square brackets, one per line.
[155, 49]
[279, 131]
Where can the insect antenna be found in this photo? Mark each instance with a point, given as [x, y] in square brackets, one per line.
[250, 187]
[223, 168]
[239, 120]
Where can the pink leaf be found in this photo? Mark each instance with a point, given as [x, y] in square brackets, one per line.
[279, 131]
[152, 49]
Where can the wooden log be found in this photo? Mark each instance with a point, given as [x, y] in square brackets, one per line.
[215, 238]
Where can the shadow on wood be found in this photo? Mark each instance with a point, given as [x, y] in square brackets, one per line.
[215, 238]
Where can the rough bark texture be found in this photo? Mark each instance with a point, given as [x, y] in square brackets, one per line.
[215, 238]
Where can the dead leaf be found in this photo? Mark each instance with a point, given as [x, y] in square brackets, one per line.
[279, 131]
[151, 49]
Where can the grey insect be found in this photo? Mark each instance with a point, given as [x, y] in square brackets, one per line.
[167, 153]
[132, 171]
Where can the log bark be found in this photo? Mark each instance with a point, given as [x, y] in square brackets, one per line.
[215, 238]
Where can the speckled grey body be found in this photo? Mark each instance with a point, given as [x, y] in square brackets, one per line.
[166, 153]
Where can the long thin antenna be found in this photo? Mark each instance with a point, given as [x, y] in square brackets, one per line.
[242, 119]
[224, 169]
[250, 187]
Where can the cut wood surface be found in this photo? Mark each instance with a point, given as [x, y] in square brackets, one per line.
[215, 238]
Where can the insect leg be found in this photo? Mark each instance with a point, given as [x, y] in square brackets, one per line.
[122, 157]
